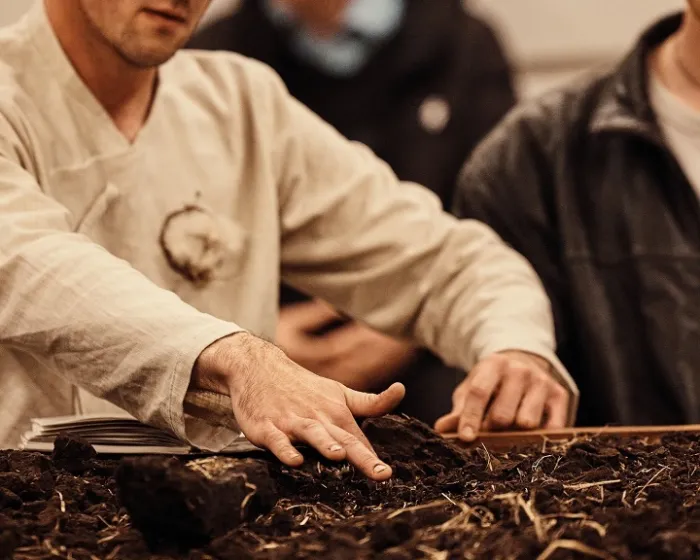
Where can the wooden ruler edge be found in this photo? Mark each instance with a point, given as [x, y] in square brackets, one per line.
[515, 438]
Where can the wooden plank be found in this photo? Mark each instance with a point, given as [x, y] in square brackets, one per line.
[506, 440]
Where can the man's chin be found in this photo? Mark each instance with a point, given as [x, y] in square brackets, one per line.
[145, 57]
[149, 60]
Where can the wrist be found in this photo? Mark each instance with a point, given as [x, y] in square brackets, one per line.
[226, 365]
[529, 358]
[218, 364]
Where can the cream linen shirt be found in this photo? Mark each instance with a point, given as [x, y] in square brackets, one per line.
[258, 186]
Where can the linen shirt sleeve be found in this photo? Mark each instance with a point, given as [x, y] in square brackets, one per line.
[385, 253]
[89, 316]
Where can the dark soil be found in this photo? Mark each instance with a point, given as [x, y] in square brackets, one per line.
[591, 498]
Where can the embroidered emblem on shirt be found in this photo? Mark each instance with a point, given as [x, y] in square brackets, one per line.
[201, 246]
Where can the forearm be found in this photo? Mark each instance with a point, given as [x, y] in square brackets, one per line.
[481, 297]
[101, 325]
[384, 252]
[416, 272]
[86, 315]
[453, 286]
[485, 298]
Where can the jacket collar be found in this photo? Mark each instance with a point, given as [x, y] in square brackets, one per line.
[624, 104]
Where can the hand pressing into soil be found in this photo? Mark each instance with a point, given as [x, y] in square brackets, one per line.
[277, 402]
[508, 390]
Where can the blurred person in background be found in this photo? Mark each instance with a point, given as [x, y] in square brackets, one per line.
[419, 82]
[597, 185]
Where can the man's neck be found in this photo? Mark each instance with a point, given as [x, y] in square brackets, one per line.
[125, 91]
[677, 62]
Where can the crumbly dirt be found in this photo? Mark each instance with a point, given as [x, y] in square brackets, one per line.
[601, 497]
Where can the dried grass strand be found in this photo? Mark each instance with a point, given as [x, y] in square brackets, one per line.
[574, 546]
[587, 485]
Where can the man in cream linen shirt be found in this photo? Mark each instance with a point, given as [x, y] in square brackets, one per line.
[147, 200]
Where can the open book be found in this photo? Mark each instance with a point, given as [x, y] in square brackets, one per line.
[122, 435]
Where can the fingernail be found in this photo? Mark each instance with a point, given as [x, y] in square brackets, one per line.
[335, 448]
[380, 468]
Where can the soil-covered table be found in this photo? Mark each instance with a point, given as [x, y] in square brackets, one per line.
[592, 497]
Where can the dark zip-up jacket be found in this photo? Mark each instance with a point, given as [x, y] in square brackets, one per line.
[583, 184]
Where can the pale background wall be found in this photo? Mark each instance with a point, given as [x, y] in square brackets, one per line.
[552, 40]
[10, 10]
[549, 40]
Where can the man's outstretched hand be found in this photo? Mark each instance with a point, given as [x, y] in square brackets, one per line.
[277, 403]
[508, 390]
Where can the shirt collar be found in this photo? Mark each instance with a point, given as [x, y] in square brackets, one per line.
[372, 20]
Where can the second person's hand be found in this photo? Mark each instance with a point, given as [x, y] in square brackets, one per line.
[507, 390]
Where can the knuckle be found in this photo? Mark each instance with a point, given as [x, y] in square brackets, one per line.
[269, 437]
[285, 424]
[266, 430]
[471, 416]
[520, 371]
[559, 392]
[478, 393]
[340, 414]
[274, 436]
[540, 382]
[498, 360]
[347, 440]
[308, 425]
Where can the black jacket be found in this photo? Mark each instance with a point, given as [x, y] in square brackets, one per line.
[583, 184]
[441, 53]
